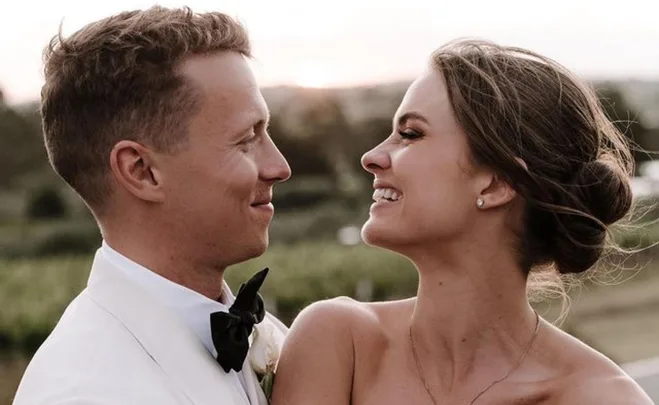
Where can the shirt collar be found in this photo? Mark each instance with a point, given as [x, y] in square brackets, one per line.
[194, 309]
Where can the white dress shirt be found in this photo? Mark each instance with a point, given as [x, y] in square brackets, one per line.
[193, 309]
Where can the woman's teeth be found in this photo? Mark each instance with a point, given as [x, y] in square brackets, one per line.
[388, 194]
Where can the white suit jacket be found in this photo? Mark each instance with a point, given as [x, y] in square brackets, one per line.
[114, 345]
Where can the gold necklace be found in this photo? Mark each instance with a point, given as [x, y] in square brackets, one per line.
[495, 382]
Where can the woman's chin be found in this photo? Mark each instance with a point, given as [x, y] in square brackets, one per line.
[375, 233]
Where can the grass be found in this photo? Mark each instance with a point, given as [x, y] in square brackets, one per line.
[619, 320]
[40, 238]
[34, 292]
[308, 272]
[11, 371]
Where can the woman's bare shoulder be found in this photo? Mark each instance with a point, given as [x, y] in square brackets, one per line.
[589, 377]
[317, 362]
[616, 388]
[348, 325]
[348, 317]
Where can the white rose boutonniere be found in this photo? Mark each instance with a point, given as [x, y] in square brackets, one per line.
[265, 345]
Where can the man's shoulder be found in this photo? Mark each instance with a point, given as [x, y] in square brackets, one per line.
[97, 381]
[88, 351]
[109, 371]
[85, 325]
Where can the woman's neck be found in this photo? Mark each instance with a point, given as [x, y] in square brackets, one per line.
[472, 320]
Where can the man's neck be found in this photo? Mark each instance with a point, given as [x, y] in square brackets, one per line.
[172, 264]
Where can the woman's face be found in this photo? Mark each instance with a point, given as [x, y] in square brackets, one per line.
[426, 185]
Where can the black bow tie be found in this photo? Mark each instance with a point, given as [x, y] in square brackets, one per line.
[230, 330]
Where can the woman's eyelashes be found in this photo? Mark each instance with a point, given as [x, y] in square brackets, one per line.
[410, 134]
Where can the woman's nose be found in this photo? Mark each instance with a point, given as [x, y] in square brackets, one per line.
[376, 159]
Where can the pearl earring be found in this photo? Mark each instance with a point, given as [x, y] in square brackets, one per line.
[480, 202]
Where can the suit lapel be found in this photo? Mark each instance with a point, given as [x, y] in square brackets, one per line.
[253, 388]
[171, 344]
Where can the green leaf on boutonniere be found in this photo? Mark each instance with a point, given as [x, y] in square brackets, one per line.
[266, 384]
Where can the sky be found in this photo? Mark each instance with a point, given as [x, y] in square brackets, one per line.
[356, 42]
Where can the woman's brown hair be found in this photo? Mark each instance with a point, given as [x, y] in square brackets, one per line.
[544, 131]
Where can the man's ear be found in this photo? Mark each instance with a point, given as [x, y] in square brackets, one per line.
[134, 168]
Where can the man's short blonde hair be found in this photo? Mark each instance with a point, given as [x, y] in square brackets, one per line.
[117, 79]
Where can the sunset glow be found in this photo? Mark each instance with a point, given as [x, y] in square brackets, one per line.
[313, 77]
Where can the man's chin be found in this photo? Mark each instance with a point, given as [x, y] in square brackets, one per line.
[246, 249]
[262, 247]
[257, 248]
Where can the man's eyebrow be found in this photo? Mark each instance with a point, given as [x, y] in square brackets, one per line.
[260, 119]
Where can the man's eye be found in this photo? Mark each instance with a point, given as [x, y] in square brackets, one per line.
[250, 138]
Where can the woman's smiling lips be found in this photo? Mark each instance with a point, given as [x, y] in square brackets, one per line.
[385, 194]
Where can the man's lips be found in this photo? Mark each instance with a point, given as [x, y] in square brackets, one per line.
[262, 199]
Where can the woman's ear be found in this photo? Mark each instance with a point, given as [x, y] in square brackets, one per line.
[496, 194]
[498, 191]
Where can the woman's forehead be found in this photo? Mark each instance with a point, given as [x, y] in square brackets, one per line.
[427, 96]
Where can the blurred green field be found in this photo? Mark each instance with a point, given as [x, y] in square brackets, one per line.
[34, 292]
[620, 320]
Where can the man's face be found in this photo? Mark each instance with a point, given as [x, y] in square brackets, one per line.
[219, 187]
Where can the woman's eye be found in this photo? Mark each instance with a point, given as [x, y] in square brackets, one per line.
[409, 134]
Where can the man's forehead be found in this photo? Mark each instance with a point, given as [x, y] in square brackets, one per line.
[218, 73]
[226, 85]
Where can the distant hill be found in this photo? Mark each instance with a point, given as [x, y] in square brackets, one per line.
[381, 101]
[643, 95]
[358, 103]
